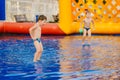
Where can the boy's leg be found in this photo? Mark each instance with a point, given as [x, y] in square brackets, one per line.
[37, 46]
[41, 49]
[84, 36]
[89, 35]
[35, 57]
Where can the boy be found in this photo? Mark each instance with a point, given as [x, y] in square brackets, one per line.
[35, 33]
[86, 29]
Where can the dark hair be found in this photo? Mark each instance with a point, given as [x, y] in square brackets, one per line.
[42, 17]
[87, 11]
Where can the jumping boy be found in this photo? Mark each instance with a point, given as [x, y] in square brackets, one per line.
[87, 29]
[35, 33]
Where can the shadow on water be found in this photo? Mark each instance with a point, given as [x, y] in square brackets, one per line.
[63, 58]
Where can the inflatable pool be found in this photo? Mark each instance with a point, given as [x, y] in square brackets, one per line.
[106, 17]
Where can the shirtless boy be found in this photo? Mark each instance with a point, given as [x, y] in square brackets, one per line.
[35, 33]
[87, 29]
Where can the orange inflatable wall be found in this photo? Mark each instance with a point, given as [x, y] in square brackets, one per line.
[13, 27]
[1, 27]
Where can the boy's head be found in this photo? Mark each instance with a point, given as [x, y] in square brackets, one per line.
[42, 19]
[87, 12]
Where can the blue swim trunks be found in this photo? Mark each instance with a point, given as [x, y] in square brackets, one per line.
[37, 39]
[84, 45]
[86, 28]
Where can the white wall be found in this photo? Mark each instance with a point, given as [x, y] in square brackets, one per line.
[31, 8]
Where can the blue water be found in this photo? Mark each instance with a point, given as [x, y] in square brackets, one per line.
[63, 58]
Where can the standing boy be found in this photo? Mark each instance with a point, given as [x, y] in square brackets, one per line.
[35, 33]
[87, 22]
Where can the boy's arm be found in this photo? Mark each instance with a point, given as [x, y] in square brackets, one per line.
[33, 27]
[81, 24]
[31, 34]
[93, 24]
[31, 31]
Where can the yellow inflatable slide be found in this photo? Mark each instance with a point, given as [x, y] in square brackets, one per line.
[106, 15]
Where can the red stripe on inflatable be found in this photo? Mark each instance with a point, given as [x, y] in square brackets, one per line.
[48, 28]
[1, 27]
[13, 27]
[52, 28]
